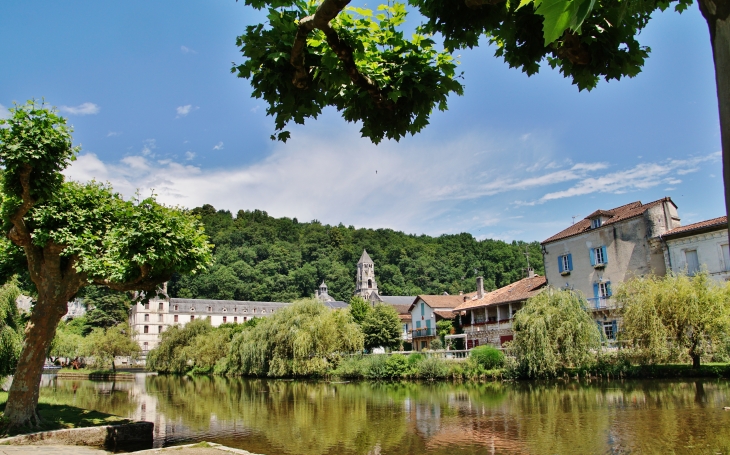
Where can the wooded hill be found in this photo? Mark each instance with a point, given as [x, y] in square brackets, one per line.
[258, 257]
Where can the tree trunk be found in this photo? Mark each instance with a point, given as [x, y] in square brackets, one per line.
[695, 360]
[717, 15]
[23, 398]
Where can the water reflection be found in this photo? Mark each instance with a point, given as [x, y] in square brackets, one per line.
[288, 417]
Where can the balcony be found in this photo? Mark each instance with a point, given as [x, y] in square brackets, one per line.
[602, 303]
[422, 333]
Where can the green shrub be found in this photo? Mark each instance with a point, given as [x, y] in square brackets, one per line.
[415, 358]
[437, 344]
[488, 357]
[397, 366]
[351, 368]
[433, 368]
[375, 366]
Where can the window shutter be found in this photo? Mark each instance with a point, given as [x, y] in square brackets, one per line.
[605, 255]
[418, 324]
[570, 262]
[595, 292]
[600, 330]
[614, 323]
[593, 256]
[560, 264]
[608, 289]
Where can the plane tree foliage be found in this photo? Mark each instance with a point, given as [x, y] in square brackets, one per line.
[382, 328]
[67, 235]
[259, 257]
[11, 329]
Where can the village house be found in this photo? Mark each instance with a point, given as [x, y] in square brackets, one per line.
[608, 247]
[704, 245]
[426, 311]
[486, 318]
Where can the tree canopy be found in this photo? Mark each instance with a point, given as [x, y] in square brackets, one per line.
[11, 330]
[67, 235]
[668, 318]
[258, 257]
[382, 327]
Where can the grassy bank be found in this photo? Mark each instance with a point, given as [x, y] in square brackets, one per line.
[56, 416]
[99, 375]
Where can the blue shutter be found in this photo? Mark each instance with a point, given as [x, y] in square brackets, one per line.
[608, 289]
[560, 264]
[614, 323]
[605, 255]
[570, 262]
[600, 330]
[593, 256]
[595, 292]
[418, 324]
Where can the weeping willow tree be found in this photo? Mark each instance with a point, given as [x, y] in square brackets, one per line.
[552, 331]
[304, 339]
[11, 332]
[666, 317]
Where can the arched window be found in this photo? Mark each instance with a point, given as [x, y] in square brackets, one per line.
[370, 283]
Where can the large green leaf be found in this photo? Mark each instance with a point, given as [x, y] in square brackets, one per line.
[561, 15]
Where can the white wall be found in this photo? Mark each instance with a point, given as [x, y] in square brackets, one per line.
[709, 248]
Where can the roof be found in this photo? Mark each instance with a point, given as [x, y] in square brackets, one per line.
[441, 301]
[335, 304]
[224, 302]
[515, 292]
[445, 314]
[715, 224]
[401, 303]
[615, 215]
[365, 258]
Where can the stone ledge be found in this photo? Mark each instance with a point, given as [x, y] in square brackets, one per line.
[137, 434]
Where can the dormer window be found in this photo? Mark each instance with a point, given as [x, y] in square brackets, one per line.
[595, 223]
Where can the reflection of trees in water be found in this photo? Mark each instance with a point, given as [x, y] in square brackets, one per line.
[117, 398]
[418, 418]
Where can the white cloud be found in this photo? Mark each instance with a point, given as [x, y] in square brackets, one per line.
[4, 112]
[189, 155]
[182, 111]
[148, 146]
[219, 146]
[187, 50]
[81, 109]
[113, 133]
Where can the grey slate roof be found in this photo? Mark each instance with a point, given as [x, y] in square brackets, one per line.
[335, 305]
[365, 258]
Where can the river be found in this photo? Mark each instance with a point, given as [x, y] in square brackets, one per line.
[300, 417]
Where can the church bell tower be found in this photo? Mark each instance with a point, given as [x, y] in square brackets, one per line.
[365, 282]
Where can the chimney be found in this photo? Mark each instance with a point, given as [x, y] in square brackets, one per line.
[480, 287]
[530, 272]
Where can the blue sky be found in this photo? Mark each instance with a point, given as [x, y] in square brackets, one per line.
[148, 89]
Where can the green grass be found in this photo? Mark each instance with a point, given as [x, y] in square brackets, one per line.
[56, 416]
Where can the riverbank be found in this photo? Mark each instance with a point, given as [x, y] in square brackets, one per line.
[94, 375]
[57, 415]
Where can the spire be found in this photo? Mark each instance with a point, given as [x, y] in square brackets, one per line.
[365, 258]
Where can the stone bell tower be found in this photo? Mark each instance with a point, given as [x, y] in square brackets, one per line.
[365, 281]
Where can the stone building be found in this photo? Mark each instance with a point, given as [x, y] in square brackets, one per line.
[486, 318]
[608, 247]
[426, 311]
[322, 295]
[704, 245]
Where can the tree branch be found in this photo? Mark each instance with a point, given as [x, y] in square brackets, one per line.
[326, 11]
[19, 234]
[143, 283]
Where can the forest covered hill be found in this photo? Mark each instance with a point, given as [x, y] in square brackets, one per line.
[258, 257]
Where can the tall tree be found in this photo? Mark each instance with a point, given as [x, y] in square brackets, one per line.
[312, 54]
[106, 307]
[69, 235]
[382, 327]
[676, 314]
[105, 345]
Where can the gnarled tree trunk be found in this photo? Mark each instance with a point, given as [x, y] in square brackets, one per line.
[23, 399]
[717, 15]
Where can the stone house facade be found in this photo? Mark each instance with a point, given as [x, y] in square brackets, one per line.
[606, 248]
[426, 311]
[704, 245]
[486, 318]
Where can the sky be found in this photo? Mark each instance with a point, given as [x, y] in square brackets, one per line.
[148, 89]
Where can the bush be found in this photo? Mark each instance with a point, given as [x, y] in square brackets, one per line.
[351, 368]
[397, 366]
[437, 344]
[488, 357]
[432, 368]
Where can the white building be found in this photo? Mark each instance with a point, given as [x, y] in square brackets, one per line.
[704, 245]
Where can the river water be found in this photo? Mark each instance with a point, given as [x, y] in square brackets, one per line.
[299, 417]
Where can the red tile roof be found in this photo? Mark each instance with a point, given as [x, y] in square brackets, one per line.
[622, 213]
[714, 224]
[442, 301]
[515, 292]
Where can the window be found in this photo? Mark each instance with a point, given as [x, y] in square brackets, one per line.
[145, 346]
[224, 319]
[421, 309]
[177, 307]
[225, 310]
[175, 318]
[726, 255]
[610, 329]
[159, 329]
[210, 308]
[599, 256]
[192, 317]
[565, 263]
[146, 329]
[235, 319]
[245, 319]
[147, 306]
[146, 318]
[161, 306]
[192, 308]
[159, 318]
[263, 311]
[693, 263]
[370, 283]
[245, 310]
[418, 324]
[604, 289]
[595, 223]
